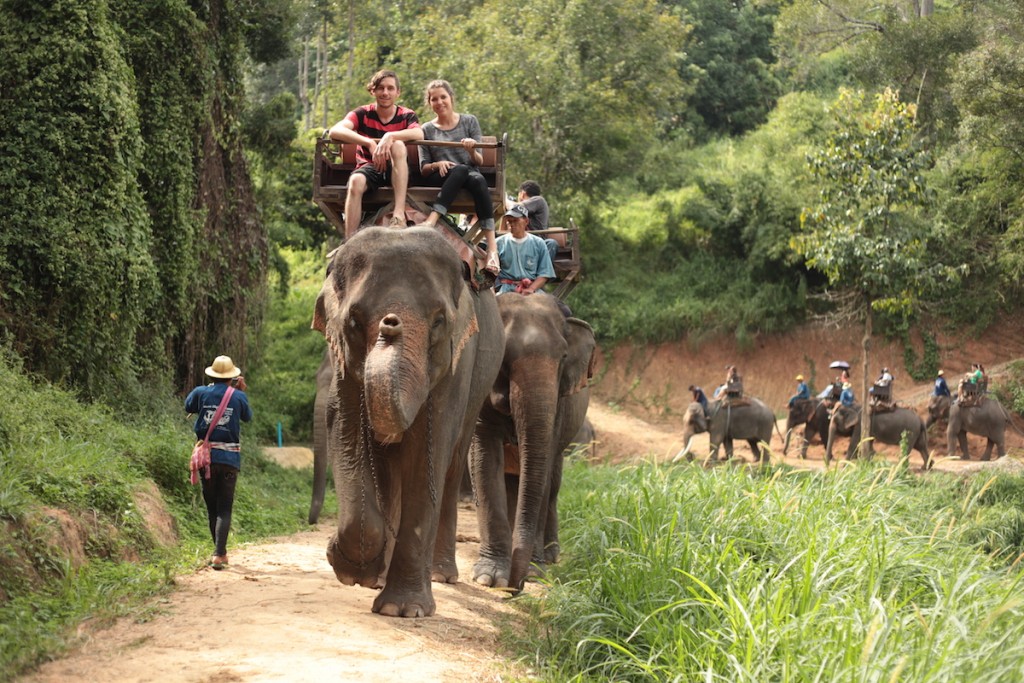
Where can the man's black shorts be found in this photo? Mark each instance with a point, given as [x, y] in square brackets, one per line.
[374, 178]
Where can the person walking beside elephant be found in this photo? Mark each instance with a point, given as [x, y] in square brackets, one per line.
[225, 446]
[455, 168]
[381, 130]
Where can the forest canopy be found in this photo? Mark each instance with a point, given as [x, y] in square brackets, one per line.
[159, 154]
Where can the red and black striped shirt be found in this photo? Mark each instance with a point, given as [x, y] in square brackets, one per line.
[366, 122]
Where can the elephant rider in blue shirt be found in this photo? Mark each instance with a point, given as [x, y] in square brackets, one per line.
[525, 262]
[941, 388]
[846, 397]
[802, 391]
[699, 397]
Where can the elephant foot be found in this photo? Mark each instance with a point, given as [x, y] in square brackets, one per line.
[350, 572]
[410, 604]
[444, 572]
[537, 570]
[986, 457]
[551, 553]
[492, 573]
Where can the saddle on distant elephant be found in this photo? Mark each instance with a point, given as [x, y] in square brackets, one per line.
[735, 401]
[880, 408]
[734, 388]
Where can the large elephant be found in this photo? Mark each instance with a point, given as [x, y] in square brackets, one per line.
[987, 418]
[539, 401]
[324, 377]
[887, 428]
[751, 421]
[813, 414]
[938, 409]
[415, 353]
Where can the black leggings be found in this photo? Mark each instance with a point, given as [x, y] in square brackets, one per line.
[462, 176]
[219, 494]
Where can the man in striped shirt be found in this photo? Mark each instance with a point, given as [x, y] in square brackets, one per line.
[381, 130]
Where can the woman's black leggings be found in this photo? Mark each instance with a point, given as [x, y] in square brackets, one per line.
[219, 494]
[463, 176]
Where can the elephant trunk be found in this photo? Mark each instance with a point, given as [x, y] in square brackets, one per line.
[395, 375]
[533, 396]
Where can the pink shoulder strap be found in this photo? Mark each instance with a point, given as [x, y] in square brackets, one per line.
[220, 412]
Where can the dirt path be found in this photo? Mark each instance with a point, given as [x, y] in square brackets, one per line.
[279, 614]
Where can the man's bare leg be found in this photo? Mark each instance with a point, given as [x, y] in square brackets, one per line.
[354, 203]
[399, 177]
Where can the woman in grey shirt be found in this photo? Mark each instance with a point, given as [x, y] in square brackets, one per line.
[454, 168]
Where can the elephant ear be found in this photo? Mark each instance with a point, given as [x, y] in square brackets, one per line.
[466, 325]
[327, 319]
[580, 359]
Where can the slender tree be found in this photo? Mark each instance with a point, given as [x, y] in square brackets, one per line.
[864, 233]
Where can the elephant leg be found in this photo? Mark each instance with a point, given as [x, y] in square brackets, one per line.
[444, 569]
[962, 439]
[727, 444]
[494, 566]
[760, 454]
[552, 548]
[1001, 446]
[987, 455]
[407, 591]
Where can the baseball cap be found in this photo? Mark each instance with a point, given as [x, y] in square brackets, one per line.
[517, 211]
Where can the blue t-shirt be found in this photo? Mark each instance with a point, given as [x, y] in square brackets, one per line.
[526, 259]
[846, 398]
[941, 388]
[225, 441]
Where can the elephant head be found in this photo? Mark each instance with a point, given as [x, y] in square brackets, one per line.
[800, 413]
[539, 400]
[694, 422]
[414, 352]
[938, 409]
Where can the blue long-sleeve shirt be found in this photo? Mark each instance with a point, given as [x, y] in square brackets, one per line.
[941, 388]
[846, 398]
[802, 391]
[225, 441]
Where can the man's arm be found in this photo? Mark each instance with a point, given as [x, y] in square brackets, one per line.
[344, 131]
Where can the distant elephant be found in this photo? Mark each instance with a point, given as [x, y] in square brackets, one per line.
[987, 419]
[813, 414]
[415, 353]
[887, 428]
[752, 421]
[938, 409]
[324, 377]
[539, 402]
[585, 441]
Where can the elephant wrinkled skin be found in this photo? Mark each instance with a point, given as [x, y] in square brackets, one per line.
[887, 428]
[751, 421]
[987, 419]
[539, 401]
[415, 354]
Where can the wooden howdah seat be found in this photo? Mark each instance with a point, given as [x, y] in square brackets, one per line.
[334, 162]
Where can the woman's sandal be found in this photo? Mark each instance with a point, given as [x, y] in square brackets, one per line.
[219, 562]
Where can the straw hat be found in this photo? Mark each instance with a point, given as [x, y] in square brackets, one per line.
[223, 368]
[799, 378]
[940, 373]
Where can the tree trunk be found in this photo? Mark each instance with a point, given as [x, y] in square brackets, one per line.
[324, 70]
[927, 8]
[865, 417]
[304, 85]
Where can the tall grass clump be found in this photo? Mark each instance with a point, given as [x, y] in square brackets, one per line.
[860, 574]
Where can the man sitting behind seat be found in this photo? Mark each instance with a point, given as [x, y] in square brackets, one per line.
[537, 208]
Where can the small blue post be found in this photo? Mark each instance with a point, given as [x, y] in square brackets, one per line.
[279, 434]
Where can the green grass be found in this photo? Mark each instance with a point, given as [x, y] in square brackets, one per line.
[862, 574]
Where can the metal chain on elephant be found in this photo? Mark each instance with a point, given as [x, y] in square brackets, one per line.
[430, 451]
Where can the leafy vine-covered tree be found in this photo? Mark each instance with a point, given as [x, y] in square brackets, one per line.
[865, 233]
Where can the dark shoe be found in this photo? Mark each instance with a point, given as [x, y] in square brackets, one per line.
[219, 562]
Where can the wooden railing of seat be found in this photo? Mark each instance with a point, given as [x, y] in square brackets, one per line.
[334, 162]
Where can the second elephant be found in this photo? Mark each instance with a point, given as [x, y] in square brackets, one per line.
[987, 419]
[751, 421]
[539, 402]
[887, 428]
